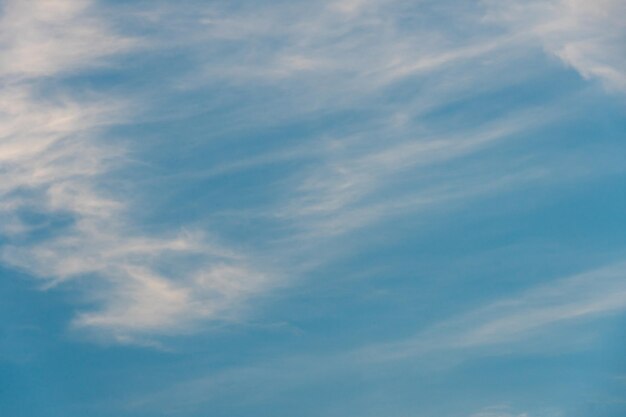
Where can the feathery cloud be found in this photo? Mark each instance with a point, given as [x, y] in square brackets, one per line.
[61, 221]
[589, 36]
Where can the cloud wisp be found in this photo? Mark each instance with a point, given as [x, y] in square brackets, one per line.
[61, 220]
[589, 36]
[517, 320]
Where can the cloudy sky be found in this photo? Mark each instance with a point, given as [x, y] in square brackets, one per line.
[313, 208]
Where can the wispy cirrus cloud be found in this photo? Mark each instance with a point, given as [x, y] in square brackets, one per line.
[588, 36]
[417, 171]
[317, 49]
[519, 320]
[306, 60]
[291, 62]
[46, 38]
[533, 321]
[341, 194]
[62, 220]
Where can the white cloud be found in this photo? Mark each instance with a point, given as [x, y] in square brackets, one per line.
[335, 51]
[54, 164]
[317, 58]
[587, 35]
[323, 57]
[46, 37]
[53, 161]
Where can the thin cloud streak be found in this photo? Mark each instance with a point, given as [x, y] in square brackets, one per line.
[341, 194]
[588, 36]
[516, 320]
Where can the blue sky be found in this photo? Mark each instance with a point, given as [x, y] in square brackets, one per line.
[312, 208]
